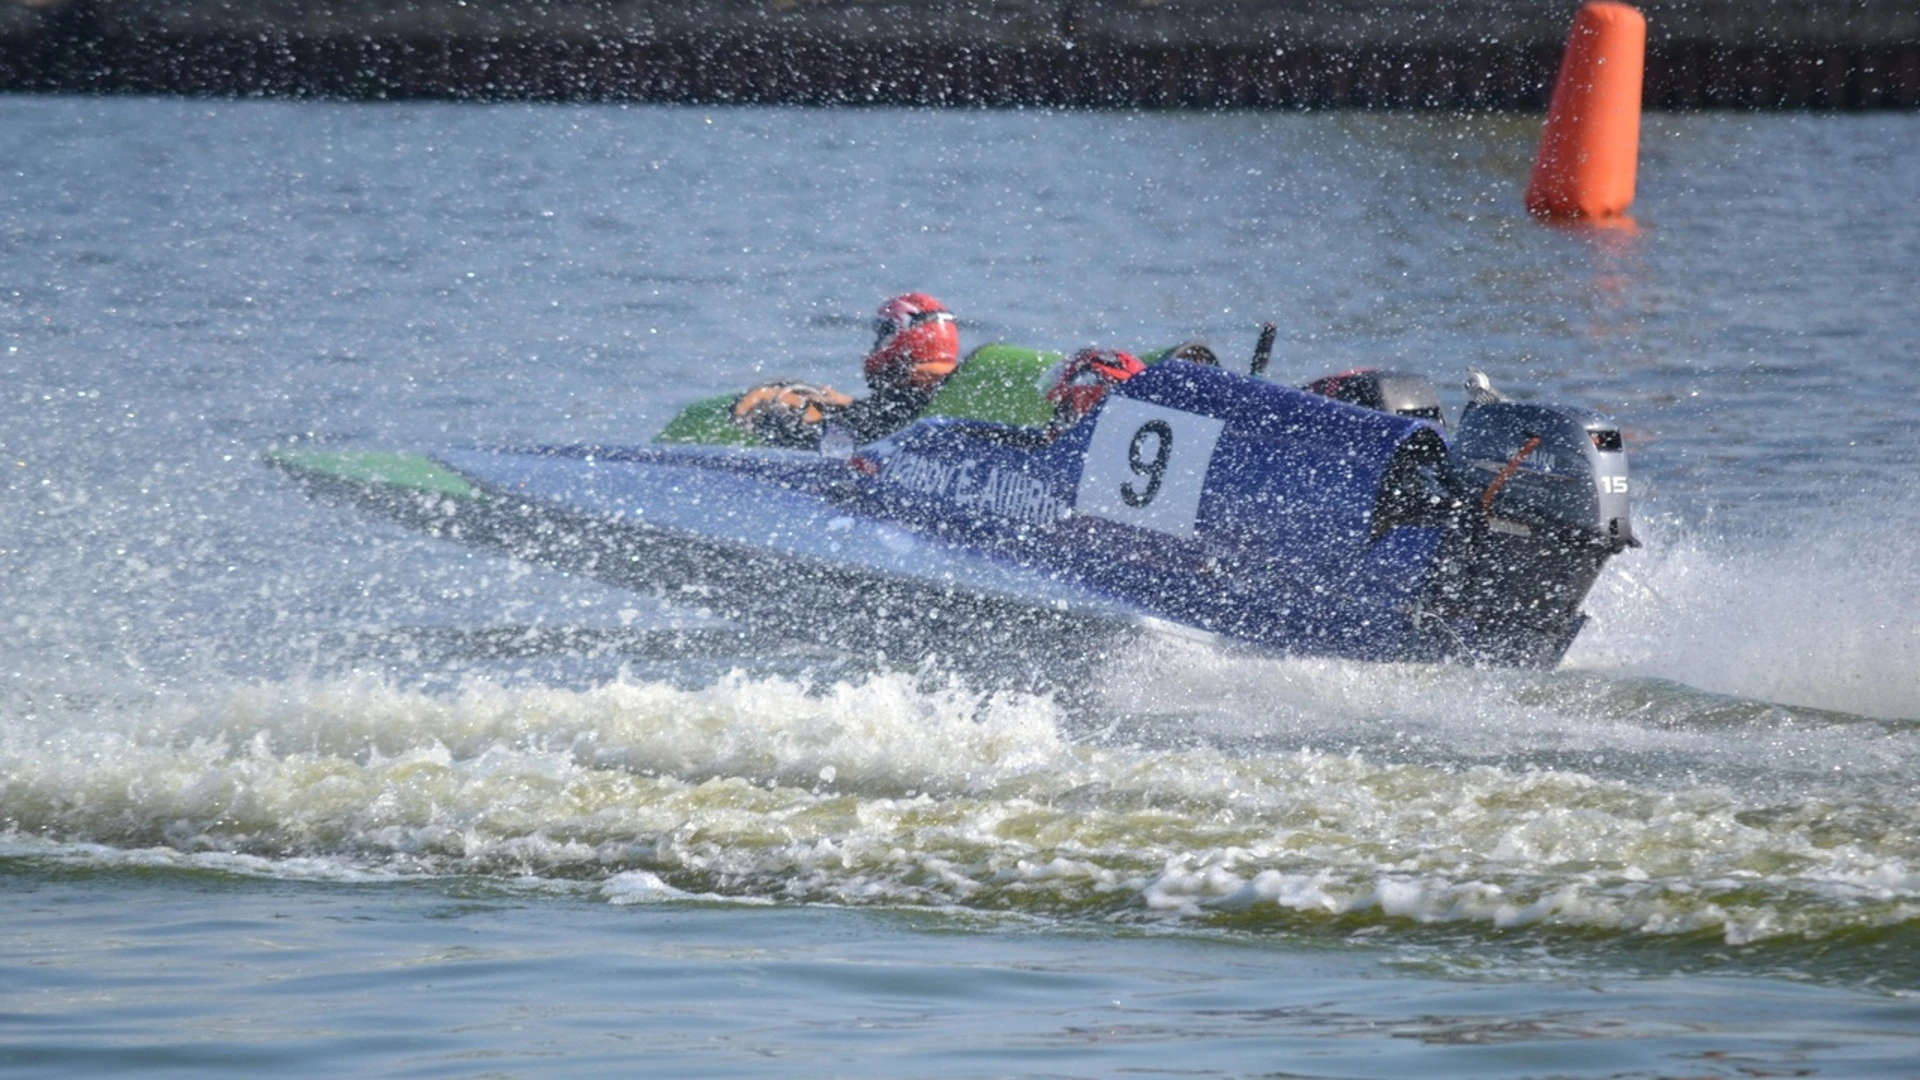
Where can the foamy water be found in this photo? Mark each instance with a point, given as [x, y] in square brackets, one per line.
[1828, 619]
[882, 792]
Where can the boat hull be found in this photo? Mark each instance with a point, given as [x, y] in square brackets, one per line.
[1196, 502]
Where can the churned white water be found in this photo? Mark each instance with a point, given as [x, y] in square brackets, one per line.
[883, 792]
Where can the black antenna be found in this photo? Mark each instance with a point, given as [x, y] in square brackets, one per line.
[1263, 351]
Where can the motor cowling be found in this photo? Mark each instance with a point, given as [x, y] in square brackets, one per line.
[1553, 467]
[1401, 392]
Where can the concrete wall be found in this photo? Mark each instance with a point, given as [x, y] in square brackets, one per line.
[1822, 53]
[1190, 23]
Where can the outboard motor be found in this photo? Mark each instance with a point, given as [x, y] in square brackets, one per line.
[1542, 506]
[1399, 392]
[1547, 466]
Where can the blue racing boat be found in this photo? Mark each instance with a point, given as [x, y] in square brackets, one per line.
[1192, 500]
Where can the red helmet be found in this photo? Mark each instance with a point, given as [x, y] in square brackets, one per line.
[916, 344]
[1085, 378]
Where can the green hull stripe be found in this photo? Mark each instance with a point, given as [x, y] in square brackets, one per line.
[1000, 383]
[414, 472]
[708, 422]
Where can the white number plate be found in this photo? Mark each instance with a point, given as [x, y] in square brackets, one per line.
[1146, 464]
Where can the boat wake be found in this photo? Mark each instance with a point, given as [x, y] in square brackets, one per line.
[1827, 621]
[1305, 796]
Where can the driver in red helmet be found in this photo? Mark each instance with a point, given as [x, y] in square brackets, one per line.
[916, 346]
[1084, 380]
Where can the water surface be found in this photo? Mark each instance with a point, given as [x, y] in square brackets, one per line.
[287, 790]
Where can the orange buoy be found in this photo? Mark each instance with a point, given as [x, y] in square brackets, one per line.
[1591, 147]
